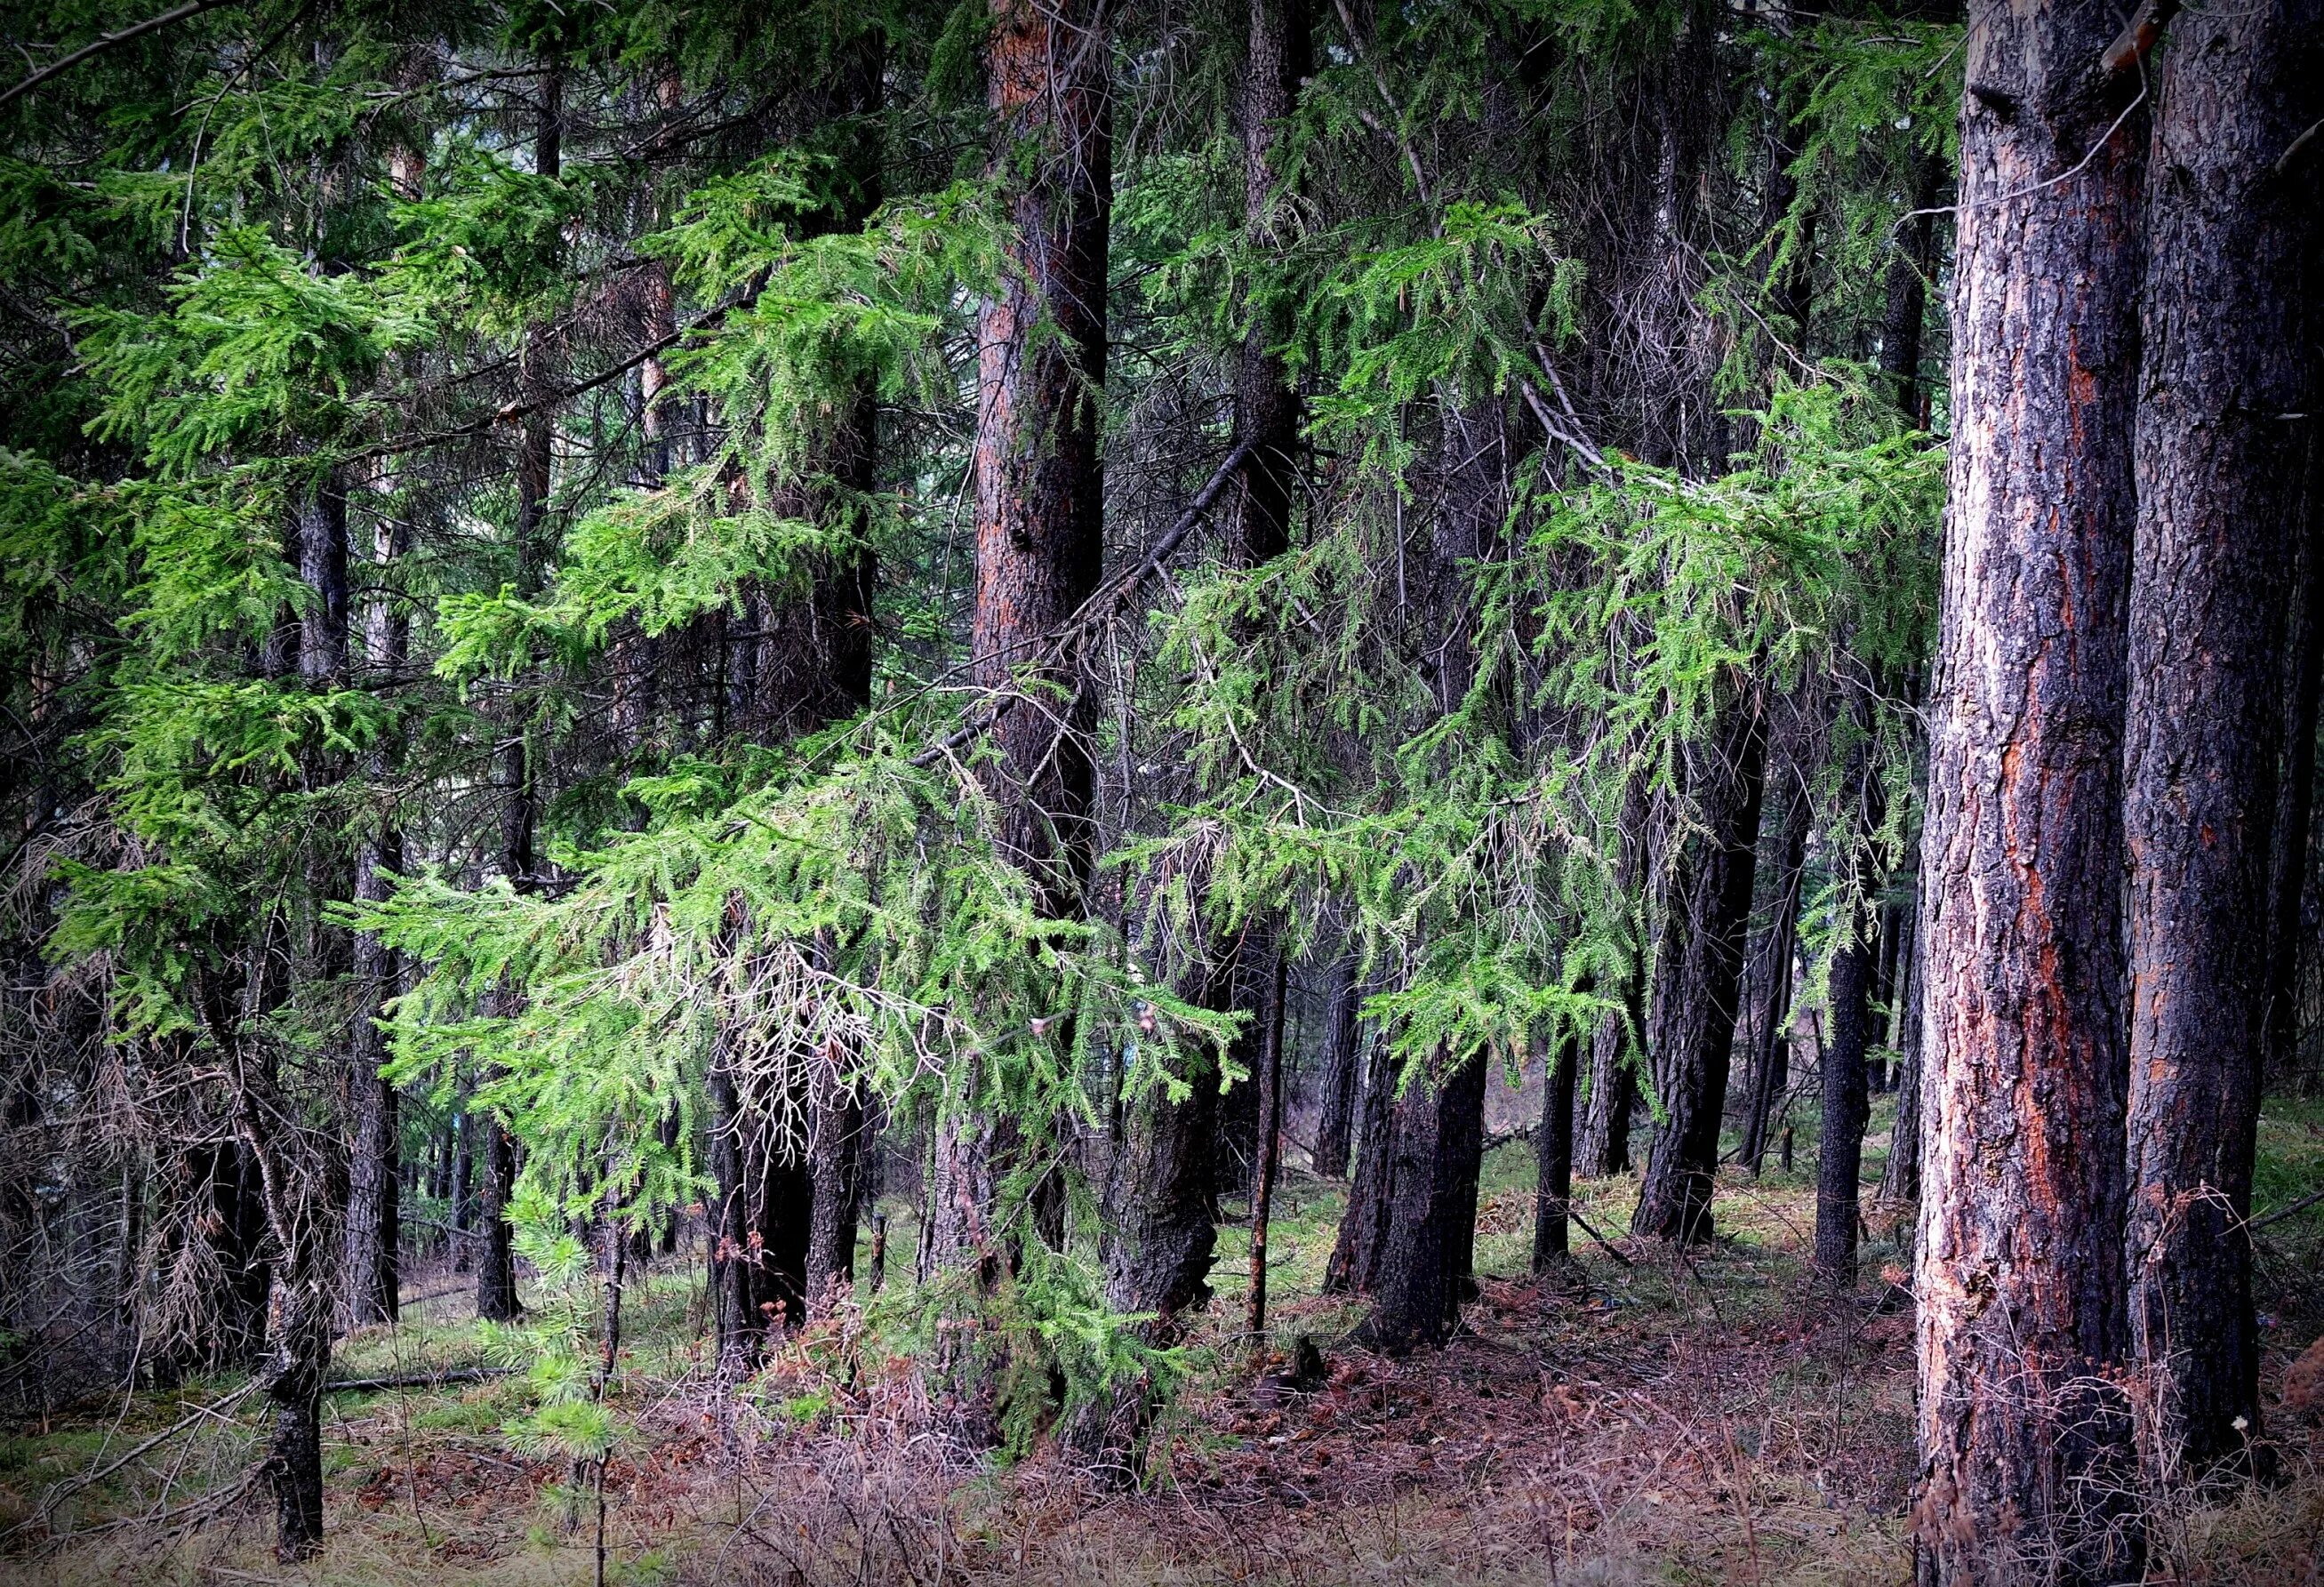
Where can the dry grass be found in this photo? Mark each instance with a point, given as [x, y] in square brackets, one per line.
[1696, 1420]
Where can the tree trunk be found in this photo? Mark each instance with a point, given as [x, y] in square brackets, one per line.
[1336, 1112]
[1769, 1049]
[1270, 1138]
[1554, 1152]
[2018, 1271]
[1613, 1075]
[373, 1165]
[2287, 942]
[1900, 1178]
[1363, 1222]
[373, 1227]
[2227, 333]
[1433, 1147]
[836, 1170]
[736, 1321]
[1839, 1154]
[1039, 499]
[1908, 295]
[1698, 968]
[495, 1254]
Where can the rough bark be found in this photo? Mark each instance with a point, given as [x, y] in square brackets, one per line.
[369, 1283]
[1698, 969]
[1900, 1176]
[1908, 295]
[835, 1174]
[1336, 1110]
[1039, 497]
[496, 1253]
[1840, 1152]
[2018, 1270]
[1270, 1080]
[1434, 1143]
[1613, 1076]
[1554, 1152]
[2287, 943]
[1769, 1052]
[1355, 1255]
[2225, 352]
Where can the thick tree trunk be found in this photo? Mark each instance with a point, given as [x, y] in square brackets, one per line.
[1554, 1152]
[1335, 1112]
[1698, 968]
[2025, 1447]
[1434, 1144]
[1769, 1049]
[836, 1170]
[1040, 498]
[1363, 1222]
[1839, 1154]
[2227, 338]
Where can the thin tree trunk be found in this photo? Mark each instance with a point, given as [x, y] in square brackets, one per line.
[2227, 333]
[519, 772]
[1270, 1138]
[1900, 1178]
[1768, 1044]
[1335, 1116]
[1613, 1077]
[1698, 968]
[2025, 1447]
[2296, 811]
[1839, 1154]
[1554, 1152]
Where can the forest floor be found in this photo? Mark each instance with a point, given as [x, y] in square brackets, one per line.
[1704, 1419]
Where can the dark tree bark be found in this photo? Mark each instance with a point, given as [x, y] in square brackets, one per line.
[836, 1171]
[1613, 1076]
[1354, 1261]
[1336, 1111]
[736, 1320]
[1900, 1176]
[2227, 338]
[374, 1168]
[2295, 808]
[1554, 1152]
[519, 772]
[2018, 1270]
[1908, 295]
[1840, 1155]
[1434, 1143]
[495, 1254]
[1770, 1049]
[1270, 1080]
[1698, 968]
[1039, 499]
[322, 536]
[369, 1263]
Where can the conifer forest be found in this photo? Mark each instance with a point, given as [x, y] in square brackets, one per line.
[1161, 791]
